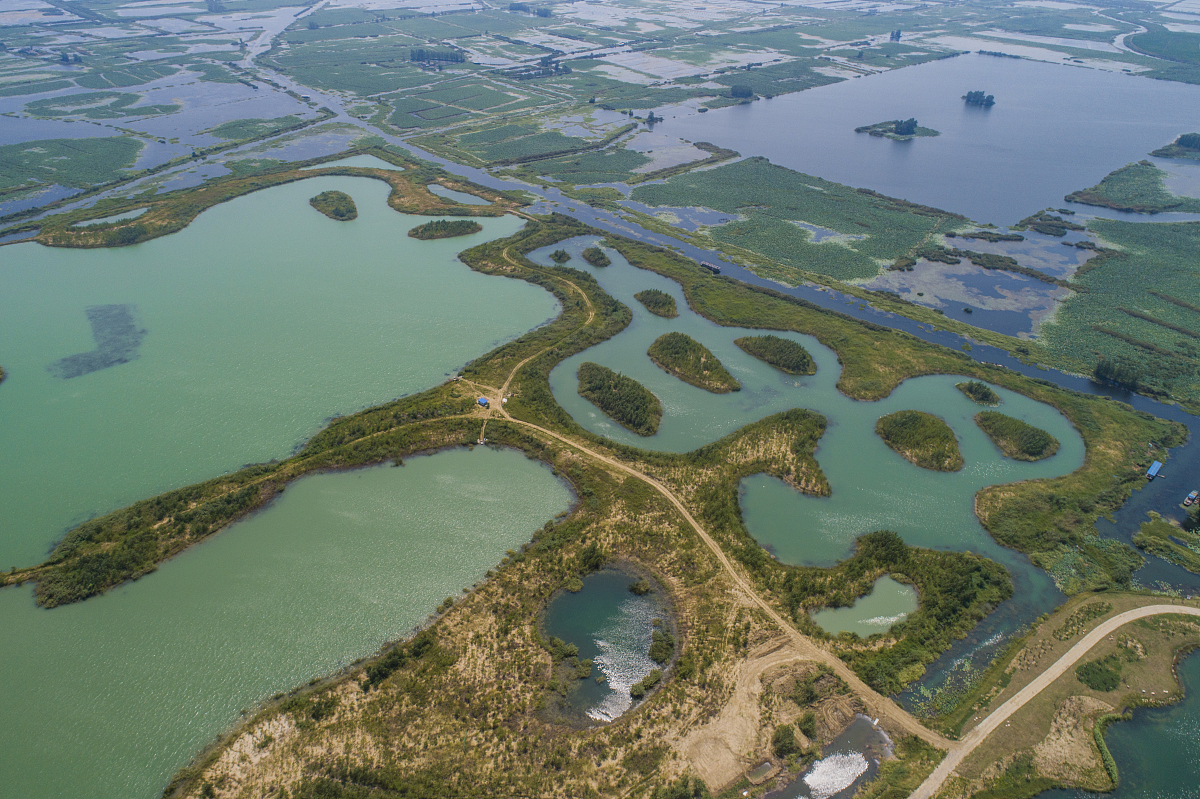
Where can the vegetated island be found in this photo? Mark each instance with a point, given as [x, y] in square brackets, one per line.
[596, 257]
[689, 360]
[1048, 224]
[336, 205]
[1186, 146]
[979, 98]
[560, 256]
[921, 438]
[623, 399]
[784, 354]
[1179, 545]
[659, 303]
[445, 229]
[1136, 188]
[898, 129]
[979, 392]
[1016, 439]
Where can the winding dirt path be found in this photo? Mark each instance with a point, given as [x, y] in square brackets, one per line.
[959, 751]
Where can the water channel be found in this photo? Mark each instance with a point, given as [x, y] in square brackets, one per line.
[108, 698]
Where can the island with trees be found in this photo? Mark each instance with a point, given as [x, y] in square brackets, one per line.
[445, 229]
[979, 392]
[1016, 439]
[623, 399]
[596, 257]
[1186, 146]
[336, 205]
[689, 360]
[980, 99]
[560, 256]
[898, 129]
[659, 303]
[922, 439]
[784, 354]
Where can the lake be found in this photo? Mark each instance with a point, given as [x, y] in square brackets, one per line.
[108, 698]
[253, 326]
[1053, 130]
[888, 603]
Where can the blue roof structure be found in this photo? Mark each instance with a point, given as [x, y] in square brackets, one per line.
[483, 401]
[1154, 467]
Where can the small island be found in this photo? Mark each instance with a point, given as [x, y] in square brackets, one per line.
[897, 129]
[979, 392]
[1186, 146]
[1016, 439]
[1177, 544]
[336, 205]
[922, 439]
[689, 360]
[560, 256]
[445, 229]
[596, 257]
[980, 99]
[785, 355]
[659, 303]
[623, 399]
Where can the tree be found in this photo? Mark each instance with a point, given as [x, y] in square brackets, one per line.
[544, 12]
[312, 25]
[783, 742]
[905, 127]
[741, 90]
[1189, 140]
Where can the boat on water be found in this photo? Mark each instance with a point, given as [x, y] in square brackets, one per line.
[711, 267]
[1191, 498]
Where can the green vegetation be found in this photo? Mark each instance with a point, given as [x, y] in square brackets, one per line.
[984, 260]
[1169, 45]
[1137, 188]
[980, 99]
[915, 760]
[248, 129]
[662, 647]
[1048, 224]
[783, 741]
[784, 354]
[640, 588]
[560, 256]
[640, 688]
[659, 303]
[1103, 674]
[97, 105]
[689, 360]
[979, 392]
[1015, 438]
[772, 198]
[337, 205]
[1075, 623]
[922, 439]
[623, 399]
[596, 257]
[1179, 545]
[1186, 146]
[76, 163]
[898, 129]
[445, 229]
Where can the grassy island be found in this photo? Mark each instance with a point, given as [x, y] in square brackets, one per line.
[1186, 146]
[336, 205]
[690, 361]
[1169, 542]
[445, 229]
[922, 438]
[979, 392]
[623, 399]
[784, 354]
[898, 129]
[1015, 438]
[659, 303]
[560, 256]
[596, 257]
[1137, 188]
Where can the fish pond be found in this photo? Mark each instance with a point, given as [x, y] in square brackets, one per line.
[138, 369]
[613, 627]
[888, 603]
[108, 698]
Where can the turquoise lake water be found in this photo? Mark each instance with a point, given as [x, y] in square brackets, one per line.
[888, 603]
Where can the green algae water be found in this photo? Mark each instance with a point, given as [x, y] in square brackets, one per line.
[233, 341]
[108, 698]
[888, 603]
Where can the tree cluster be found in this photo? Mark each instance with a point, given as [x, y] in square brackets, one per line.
[979, 98]
[1119, 374]
[423, 54]
[626, 401]
[784, 354]
[905, 127]
[1189, 140]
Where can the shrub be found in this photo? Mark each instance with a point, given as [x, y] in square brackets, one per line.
[783, 742]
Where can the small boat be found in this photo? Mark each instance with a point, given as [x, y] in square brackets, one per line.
[1191, 498]
[711, 267]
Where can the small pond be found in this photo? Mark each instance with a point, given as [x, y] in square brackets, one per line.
[457, 196]
[849, 761]
[888, 603]
[613, 627]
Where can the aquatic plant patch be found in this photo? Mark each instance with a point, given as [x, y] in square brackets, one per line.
[117, 337]
[77, 163]
[1137, 188]
[97, 105]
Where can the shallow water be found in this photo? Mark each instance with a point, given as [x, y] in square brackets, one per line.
[613, 628]
[847, 763]
[262, 319]
[107, 698]
[888, 603]
[457, 196]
